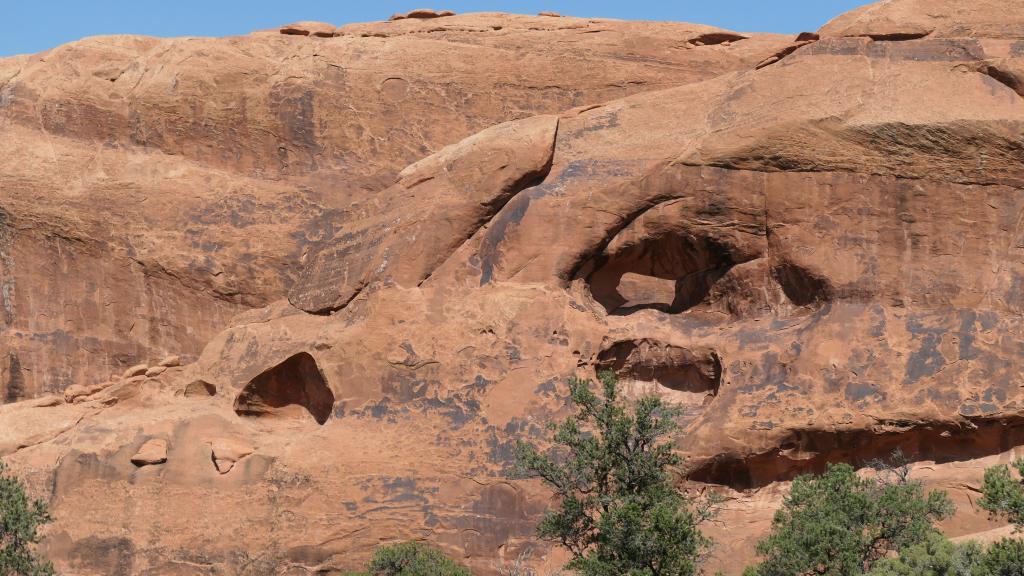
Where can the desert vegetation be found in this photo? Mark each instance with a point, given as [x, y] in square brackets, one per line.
[20, 520]
[610, 468]
[412, 559]
[613, 469]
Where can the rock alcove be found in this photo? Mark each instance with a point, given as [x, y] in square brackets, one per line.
[294, 383]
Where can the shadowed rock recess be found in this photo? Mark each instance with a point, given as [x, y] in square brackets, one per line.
[295, 382]
[378, 251]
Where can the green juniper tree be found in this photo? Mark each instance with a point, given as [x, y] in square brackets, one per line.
[412, 559]
[1002, 495]
[840, 524]
[620, 512]
[936, 556]
[1003, 558]
[20, 519]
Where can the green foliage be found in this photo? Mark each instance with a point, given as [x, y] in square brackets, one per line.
[413, 559]
[1004, 558]
[20, 519]
[937, 556]
[840, 524]
[620, 512]
[1003, 496]
[940, 557]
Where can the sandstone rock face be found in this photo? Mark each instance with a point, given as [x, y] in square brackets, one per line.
[410, 228]
[813, 248]
[188, 180]
[911, 19]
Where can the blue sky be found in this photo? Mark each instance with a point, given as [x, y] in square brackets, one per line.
[35, 25]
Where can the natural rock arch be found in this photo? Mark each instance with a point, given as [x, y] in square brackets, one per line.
[672, 272]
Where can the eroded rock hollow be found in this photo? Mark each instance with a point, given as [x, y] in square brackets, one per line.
[377, 251]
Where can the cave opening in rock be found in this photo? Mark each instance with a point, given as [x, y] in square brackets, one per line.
[800, 286]
[687, 376]
[295, 383]
[672, 273]
[199, 389]
[811, 451]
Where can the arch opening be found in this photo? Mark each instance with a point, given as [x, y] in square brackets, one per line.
[671, 273]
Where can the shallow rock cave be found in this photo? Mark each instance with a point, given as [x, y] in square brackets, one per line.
[801, 287]
[199, 389]
[672, 273]
[696, 373]
[296, 382]
[810, 451]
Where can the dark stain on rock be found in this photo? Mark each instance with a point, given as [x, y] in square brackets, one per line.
[490, 246]
[15, 379]
[458, 409]
[513, 353]
[547, 387]
[993, 394]
[479, 385]
[295, 112]
[858, 391]
[771, 373]
[404, 387]
[112, 556]
[404, 489]
[503, 453]
[967, 334]
[599, 123]
[927, 360]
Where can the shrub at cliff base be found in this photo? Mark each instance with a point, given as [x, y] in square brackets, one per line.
[20, 519]
[620, 512]
[1002, 495]
[412, 559]
[940, 557]
[841, 524]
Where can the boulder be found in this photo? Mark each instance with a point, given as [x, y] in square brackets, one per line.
[152, 452]
[155, 371]
[316, 29]
[171, 361]
[121, 391]
[78, 392]
[137, 370]
[48, 401]
[425, 13]
[225, 452]
[75, 391]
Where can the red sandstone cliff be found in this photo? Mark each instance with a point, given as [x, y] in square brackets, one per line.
[381, 249]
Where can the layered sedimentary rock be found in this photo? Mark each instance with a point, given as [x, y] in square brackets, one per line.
[817, 255]
[153, 188]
